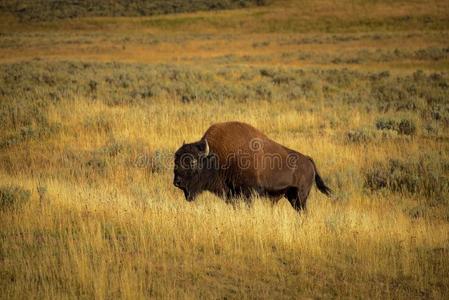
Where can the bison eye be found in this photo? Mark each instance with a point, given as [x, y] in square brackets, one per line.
[194, 163]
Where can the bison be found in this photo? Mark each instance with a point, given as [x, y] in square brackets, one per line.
[234, 159]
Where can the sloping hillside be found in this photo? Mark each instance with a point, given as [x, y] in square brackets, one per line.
[59, 9]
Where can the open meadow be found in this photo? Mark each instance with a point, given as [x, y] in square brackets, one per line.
[93, 107]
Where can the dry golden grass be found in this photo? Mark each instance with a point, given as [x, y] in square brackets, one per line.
[132, 235]
[102, 223]
[99, 243]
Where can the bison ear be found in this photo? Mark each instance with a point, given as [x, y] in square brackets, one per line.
[183, 142]
[204, 148]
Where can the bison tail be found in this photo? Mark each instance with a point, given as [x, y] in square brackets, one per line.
[320, 183]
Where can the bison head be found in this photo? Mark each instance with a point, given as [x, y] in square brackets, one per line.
[190, 168]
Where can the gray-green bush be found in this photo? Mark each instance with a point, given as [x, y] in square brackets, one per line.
[426, 176]
[359, 136]
[402, 126]
[13, 197]
[40, 84]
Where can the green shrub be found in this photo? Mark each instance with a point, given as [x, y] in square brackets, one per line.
[383, 124]
[13, 197]
[358, 136]
[261, 44]
[406, 127]
[263, 91]
[40, 84]
[158, 162]
[425, 176]
[28, 133]
[113, 148]
[98, 123]
[97, 165]
[432, 53]
[403, 126]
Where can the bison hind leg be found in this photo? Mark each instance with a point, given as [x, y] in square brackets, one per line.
[297, 198]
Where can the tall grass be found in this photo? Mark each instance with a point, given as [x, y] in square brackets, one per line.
[104, 220]
[98, 242]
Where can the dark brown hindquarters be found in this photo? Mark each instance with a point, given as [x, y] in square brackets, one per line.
[297, 195]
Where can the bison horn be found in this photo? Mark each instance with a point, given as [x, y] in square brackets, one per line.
[206, 148]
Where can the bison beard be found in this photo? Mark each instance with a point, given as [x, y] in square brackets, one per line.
[234, 159]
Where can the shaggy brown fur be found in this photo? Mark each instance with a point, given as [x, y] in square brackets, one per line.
[234, 159]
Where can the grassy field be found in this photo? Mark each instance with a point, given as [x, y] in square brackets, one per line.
[93, 108]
